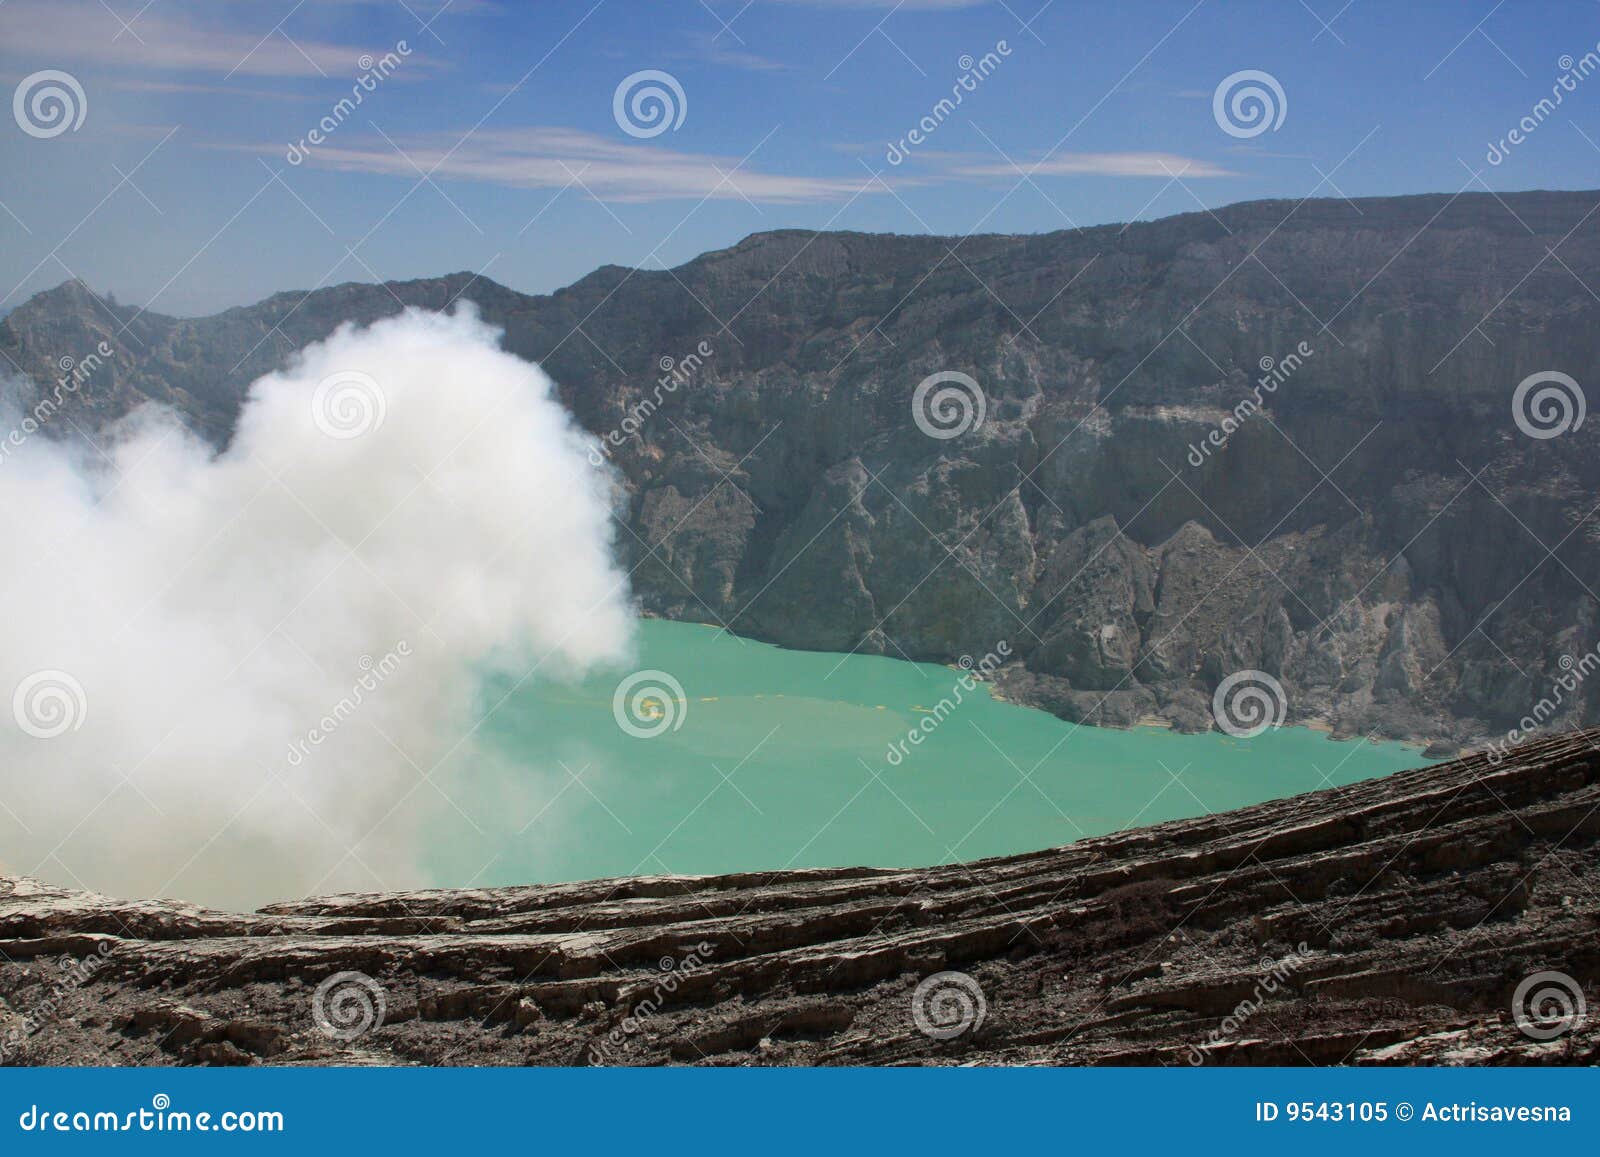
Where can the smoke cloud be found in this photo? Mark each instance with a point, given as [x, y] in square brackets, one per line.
[238, 677]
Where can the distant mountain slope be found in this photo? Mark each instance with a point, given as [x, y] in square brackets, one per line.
[1381, 537]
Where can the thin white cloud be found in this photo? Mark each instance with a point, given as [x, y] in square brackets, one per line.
[168, 41]
[901, 5]
[1099, 165]
[589, 163]
[713, 50]
[556, 158]
[178, 87]
[422, 8]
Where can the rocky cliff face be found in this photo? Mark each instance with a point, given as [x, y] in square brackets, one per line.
[1444, 915]
[1375, 531]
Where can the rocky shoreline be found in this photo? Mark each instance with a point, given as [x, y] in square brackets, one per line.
[1395, 921]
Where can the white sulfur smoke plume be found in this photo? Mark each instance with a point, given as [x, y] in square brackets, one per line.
[232, 678]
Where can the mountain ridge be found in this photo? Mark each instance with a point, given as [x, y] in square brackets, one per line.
[1379, 535]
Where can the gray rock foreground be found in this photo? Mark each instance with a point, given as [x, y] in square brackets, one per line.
[1389, 922]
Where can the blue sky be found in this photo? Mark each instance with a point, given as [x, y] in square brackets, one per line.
[492, 144]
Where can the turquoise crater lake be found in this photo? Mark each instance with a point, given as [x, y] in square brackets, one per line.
[775, 758]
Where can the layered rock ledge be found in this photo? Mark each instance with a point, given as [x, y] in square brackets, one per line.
[1390, 922]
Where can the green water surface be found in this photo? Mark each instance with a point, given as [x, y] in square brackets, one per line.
[776, 758]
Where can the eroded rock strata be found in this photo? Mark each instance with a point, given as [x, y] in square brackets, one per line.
[1380, 535]
[1390, 922]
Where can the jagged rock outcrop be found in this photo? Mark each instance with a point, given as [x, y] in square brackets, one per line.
[1389, 922]
[1380, 536]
